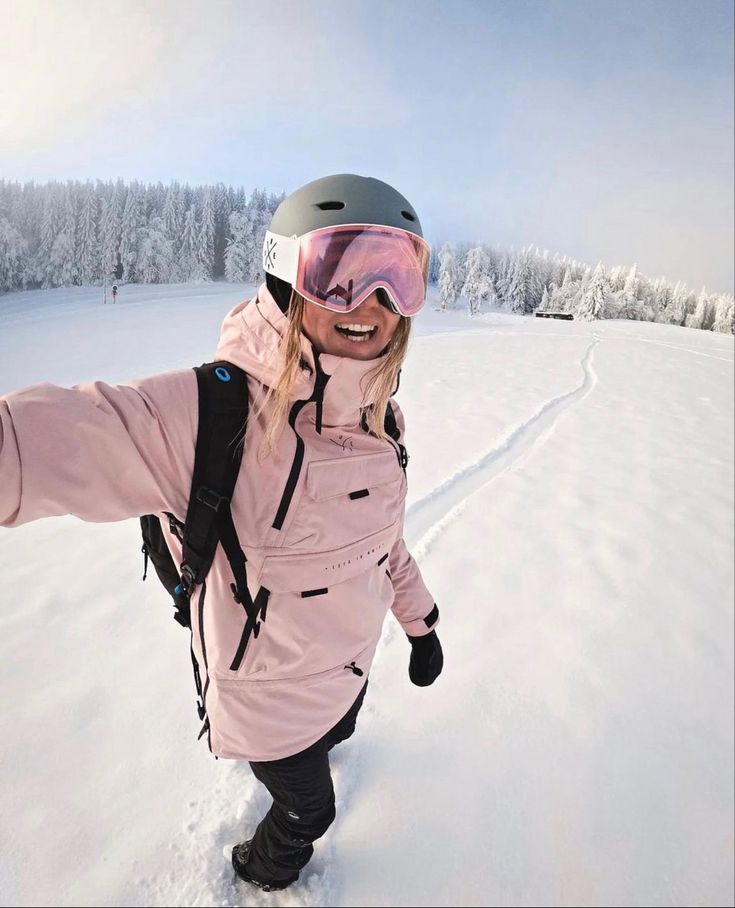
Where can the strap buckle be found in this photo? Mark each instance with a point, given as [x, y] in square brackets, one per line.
[188, 579]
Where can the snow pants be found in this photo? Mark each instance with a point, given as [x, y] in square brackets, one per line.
[303, 804]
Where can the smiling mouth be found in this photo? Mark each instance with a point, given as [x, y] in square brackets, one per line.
[356, 336]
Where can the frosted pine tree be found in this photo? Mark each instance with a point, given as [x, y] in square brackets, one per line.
[239, 250]
[433, 265]
[188, 255]
[447, 275]
[579, 280]
[592, 303]
[13, 251]
[155, 255]
[544, 307]
[173, 218]
[660, 301]
[476, 286]
[559, 291]
[537, 273]
[89, 250]
[133, 219]
[50, 225]
[704, 314]
[205, 239]
[724, 314]
[516, 288]
[678, 306]
[110, 228]
[493, 300]
[631, 291]
[221, 228]
[64, 251]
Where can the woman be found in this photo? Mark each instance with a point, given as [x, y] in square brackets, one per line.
[318, 508]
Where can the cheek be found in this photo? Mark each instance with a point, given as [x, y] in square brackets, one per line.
[313, 322]
[393, 324]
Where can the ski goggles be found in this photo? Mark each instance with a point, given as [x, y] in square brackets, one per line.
[339, 267]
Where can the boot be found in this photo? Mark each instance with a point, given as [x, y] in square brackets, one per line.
[240, 855]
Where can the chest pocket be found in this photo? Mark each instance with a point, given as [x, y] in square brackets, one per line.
[351, 476]
[347, 499]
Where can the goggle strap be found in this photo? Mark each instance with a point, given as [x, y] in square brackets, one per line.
[281, 256]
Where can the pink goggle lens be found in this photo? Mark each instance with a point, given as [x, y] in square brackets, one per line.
[339, 267]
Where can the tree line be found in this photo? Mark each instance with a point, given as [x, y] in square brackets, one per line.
[530, 280]
[74, 233]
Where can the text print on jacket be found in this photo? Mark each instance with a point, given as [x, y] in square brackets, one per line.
[320, 522]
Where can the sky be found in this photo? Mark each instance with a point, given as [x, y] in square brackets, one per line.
[598, 130]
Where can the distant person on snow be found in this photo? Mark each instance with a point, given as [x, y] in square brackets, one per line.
[114, 292]
[282, 661]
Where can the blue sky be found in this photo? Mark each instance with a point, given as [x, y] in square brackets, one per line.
[603, 131]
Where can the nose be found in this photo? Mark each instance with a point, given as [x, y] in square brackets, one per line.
[380, 297]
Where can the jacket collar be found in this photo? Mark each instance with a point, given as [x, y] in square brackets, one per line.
[249, 338]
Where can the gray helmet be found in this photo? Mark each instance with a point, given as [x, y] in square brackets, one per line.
[343, 198]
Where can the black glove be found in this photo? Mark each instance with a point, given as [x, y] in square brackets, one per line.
[427, 659]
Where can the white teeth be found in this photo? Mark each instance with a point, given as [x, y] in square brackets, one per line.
[360, 333]
[358, 327]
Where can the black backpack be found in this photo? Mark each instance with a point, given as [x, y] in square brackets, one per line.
[223, 413]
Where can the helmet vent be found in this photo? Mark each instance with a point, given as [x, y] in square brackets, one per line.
[408, 216]
[330, 206]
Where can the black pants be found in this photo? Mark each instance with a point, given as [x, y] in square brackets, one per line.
[303, 804]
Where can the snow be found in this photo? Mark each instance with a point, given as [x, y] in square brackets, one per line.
[571, 507]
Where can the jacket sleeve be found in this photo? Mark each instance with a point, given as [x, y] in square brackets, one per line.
[100, 452]
[413, 606]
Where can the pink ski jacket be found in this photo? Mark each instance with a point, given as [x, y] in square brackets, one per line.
[332, 561]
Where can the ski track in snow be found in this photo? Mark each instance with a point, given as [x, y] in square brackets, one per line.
[427, 518]
[212, 830]
[646, 340]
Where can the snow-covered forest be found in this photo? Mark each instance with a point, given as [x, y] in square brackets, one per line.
[73, 233]
[67, 234]
[530, 280]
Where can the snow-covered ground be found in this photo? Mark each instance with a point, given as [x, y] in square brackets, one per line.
[571, 506]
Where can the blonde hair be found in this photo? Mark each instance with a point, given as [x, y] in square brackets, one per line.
[380, 386]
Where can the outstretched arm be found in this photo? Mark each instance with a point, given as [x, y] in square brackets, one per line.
[101, 452]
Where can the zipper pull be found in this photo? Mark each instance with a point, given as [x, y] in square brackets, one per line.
[353, 668]
[144, 550]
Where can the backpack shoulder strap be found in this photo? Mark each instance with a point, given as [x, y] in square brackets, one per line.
[392, 430]
[223, 412]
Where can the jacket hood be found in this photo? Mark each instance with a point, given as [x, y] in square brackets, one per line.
[249, 338]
